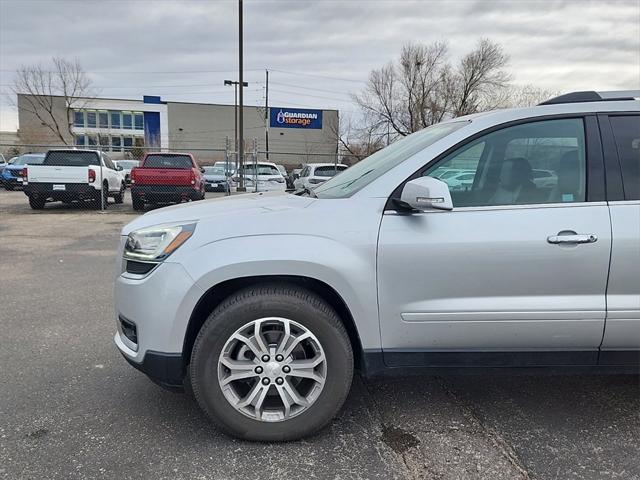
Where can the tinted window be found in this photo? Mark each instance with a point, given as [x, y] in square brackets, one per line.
[115, 119]
[626, 131]
[116, 142]
[139, 121]
[168, 161]
[127, 120]
[91, 119]
[78, 118]
[108, 163]
[498, 168]
[71, 159]
[103, 119]
[327, 171]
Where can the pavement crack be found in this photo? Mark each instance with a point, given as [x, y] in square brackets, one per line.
[496, 439]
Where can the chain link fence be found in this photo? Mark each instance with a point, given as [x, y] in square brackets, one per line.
[140, 178]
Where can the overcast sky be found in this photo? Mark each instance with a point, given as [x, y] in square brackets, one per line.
[317, 51]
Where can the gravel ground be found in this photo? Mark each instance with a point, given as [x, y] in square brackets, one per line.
[70, 406]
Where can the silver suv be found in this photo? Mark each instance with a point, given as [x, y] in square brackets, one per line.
[263, 305]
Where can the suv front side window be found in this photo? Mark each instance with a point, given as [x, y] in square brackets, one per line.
[499, 168]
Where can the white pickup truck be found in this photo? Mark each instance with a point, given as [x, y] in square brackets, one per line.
[74, 175]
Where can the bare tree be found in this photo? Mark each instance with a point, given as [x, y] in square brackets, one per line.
[525, 96]
[424, 88]
[40, 87]
[356, 143]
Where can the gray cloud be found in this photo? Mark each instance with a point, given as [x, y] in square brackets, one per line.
[560, 45]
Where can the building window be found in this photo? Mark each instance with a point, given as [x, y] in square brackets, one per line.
[91, 140]
[128, 142]
[139, 120]
[116, 143]
[78, 118]
[80, 140]
[104, 142]
[103, 119]
[115, 120]
[127, 120]
[91, 119]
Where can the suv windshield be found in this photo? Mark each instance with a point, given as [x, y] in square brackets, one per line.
[27, 160]
[127, 163]
[168, 161]
[71, 158]
[262, 170]
[376, 165]
[213, 171]
[328, 171]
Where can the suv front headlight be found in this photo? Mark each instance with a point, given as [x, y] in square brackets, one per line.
[154, 244]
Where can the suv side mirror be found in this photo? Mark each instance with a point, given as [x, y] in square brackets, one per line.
[201, 169]
[426, 193]
[119, 168]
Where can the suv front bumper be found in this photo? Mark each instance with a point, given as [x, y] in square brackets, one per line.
[159, 306]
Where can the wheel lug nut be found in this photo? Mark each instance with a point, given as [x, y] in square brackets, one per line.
[265, 381]
[286, 369]
[265, 358]
[279, 358]
[279, 381]
[258, 370]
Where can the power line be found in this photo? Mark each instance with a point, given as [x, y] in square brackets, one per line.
[310, 88]
[311, 95]
[318, 76]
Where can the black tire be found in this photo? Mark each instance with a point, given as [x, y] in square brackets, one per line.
[138, 203]
[119, 197]
[282, 300]
[37, 203]
[8, 187]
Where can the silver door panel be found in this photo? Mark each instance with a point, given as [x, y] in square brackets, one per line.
[622, 330]
[489, 279]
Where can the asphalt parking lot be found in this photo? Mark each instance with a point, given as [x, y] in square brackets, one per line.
[71, 407]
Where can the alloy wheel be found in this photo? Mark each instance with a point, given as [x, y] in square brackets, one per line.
[272, 369]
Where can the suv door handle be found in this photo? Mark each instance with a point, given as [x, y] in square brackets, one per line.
[569, 237]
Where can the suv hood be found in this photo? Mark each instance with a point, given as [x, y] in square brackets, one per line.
[221, 209]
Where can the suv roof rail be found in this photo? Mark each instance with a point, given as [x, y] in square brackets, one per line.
[592, 96]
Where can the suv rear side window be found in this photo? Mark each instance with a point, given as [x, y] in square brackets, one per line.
[71, 159]
[626, 131]
[168, 161]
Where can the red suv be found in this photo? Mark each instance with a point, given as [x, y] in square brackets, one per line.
[166, 178]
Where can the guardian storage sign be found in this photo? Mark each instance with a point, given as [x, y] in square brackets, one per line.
[295, 118]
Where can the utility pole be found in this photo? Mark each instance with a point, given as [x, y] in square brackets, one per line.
[235, 115]
[266, 114]
[241, 187]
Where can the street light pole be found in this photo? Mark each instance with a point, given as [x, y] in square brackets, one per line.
[241, 187]
[235, 115]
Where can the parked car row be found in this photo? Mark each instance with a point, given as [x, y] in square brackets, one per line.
[84, 175]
